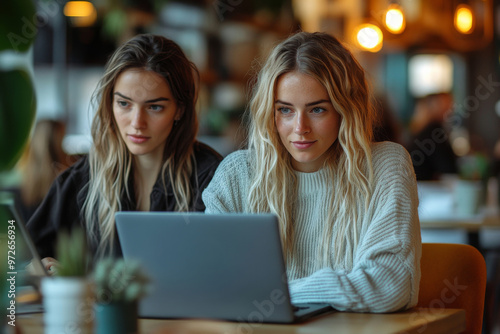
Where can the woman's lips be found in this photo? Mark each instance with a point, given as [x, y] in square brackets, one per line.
[303, 144]
[138, 139]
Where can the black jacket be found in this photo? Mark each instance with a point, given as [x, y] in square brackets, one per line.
[62, 207]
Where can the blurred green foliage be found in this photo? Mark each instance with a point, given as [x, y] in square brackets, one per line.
[17, 113]
[17, 20]
[473, 167]
[17, 105]
[18, 28]
[118, 280]
[115, 23]
[72, 253]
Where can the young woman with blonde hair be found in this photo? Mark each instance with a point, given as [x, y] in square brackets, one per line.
[144, 156]
[347, 207]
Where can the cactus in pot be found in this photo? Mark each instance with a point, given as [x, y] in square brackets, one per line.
[119, 285]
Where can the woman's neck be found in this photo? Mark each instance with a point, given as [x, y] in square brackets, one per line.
[146, 171]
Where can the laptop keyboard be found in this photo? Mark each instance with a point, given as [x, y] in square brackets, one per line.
[298, 308]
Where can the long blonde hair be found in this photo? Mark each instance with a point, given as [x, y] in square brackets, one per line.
[109, 159]
[273, 183]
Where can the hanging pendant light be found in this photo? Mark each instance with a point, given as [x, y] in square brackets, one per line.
[81, 13]
[394, 19]
[369, 37]
[464, 19]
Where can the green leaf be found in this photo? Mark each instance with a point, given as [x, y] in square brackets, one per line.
[17, 114]
[72, 253]
[18, 24]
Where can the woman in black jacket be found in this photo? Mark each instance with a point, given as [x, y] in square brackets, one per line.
[144, 156]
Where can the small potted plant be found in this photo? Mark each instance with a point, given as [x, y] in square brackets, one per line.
[119, 285]
[471, 186]
[67, 296]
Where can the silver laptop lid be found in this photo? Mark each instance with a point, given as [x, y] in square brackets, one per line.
[227, 266]
[23, 251]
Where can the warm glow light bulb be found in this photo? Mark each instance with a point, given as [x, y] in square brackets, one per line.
[81, 13]
[78, 9]
[395, 19]
[370, 37]
[464, 19]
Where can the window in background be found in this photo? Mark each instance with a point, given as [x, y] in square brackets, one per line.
[82, 82]
[430, 74]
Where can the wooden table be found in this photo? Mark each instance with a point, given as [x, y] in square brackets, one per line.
[418, 321]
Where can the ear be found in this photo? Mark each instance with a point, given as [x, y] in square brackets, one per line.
[179, 112]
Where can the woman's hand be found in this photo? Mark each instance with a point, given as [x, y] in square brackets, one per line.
[50, 264]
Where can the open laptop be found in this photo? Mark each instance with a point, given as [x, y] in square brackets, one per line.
[224, 266]
[23, 253]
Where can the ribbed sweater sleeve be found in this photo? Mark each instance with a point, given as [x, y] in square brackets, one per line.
[227, 192]
[386, 267]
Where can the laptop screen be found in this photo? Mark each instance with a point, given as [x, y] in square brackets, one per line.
[16, 243]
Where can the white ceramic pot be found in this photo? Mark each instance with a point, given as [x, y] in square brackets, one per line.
[68, 305]
[467, 197]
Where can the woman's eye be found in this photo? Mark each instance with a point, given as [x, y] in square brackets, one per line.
[122, 103]
[318, 110]
[284, 110]
[156, 107]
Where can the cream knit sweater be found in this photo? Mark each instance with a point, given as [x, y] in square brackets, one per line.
[386, 270]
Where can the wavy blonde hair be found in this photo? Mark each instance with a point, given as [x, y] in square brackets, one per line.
[109, 159]
[348, 161]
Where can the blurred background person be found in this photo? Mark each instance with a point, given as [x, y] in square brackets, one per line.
[496, 168]
[429, 147]
[43, 159]
[387, 126]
